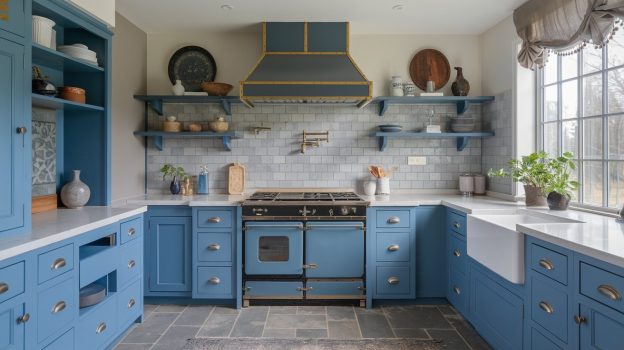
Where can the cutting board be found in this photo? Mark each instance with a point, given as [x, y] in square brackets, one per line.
[430, 64]
[43, 203]
[236, 179]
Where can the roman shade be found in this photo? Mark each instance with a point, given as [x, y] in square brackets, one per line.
[564, 27]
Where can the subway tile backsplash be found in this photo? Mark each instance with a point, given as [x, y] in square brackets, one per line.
[273, 159]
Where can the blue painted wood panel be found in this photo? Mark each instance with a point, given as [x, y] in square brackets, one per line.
[129, 303]
[393, 246]
[602, 286]
[549, 306]
[214, 219]
[284, 37]
[456, 252]
[64, 342]
[430, 237]
[214, 282]
[12, 281]
[12, 332]
[57, 307]
[549, 263]
[273, 288]
[337, 249]
[131, 229]
[170, 251]
[322, 289]
[130, 261]
[12, 16]
[393, 282]
[13, 145]
[98, 326]
[214, 246]
[327, 36]
[456, 221]
[394, 218]
[458, 292]
[537, 341]
[55, 262]
[603, 329]
[290, 264]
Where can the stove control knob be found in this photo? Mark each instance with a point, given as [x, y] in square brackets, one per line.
[331, 212]
[353, 210]
[344, 210]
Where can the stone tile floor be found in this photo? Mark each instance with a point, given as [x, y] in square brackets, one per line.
[169, 326]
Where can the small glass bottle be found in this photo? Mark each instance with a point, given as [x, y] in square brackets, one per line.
[202, 180]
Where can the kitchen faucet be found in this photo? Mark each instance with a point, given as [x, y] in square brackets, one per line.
[621, 218]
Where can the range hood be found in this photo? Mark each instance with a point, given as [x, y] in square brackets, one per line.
[305, 62]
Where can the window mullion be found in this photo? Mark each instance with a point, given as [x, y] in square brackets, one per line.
[605, 132]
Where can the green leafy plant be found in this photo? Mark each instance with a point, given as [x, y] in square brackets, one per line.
[560, 171]
[173, 171]
[532, 170]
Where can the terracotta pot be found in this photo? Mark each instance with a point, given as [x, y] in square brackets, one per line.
[557, 201]
[73, 94]
[534, 197]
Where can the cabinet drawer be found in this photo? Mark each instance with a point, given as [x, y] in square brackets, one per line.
[129, 303]
[215, 246]
[456, 222]
[11, 281]
[99, 261]
[56, 308]
[549, 263]
[130, 262]
[539, 342]
[603, 286]
[64, 342]
[273, 289]
[393, 280]
[55, 262]
[214, 281]
[549, 307]
[458, 289]
[393, 246]
[132, 229]
[98, 326]
[393, 218]
[334, 289]
[214, 218]
[457, 253]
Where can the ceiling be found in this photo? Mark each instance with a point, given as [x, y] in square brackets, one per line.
[433, 17]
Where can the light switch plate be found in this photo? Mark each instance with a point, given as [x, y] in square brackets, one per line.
[416, 160]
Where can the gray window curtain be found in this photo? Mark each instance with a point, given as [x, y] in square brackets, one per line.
[564, 27]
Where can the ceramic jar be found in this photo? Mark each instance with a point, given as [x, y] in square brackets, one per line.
[396, 86]
[460, 86]
[409, 89]
[75, 194]
[383, 185]
[479, 184]
[178, 88]
[370, 187]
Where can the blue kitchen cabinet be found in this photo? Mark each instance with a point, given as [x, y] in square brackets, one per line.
[431, 281]
[12, 16]
[602, 328]
[325, 249]
[12, 324]
[457, 262]
[14, 139]
[169, 241]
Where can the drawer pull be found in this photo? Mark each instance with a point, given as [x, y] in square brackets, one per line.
[215, 220]
[578, 319]
[457, 290]
[24, 318]
[457, 253]
[609, 292]
[131, 231]
[214, 280]
[131, 303]
[456, 225]
[60, 306]
[394, 220]
[310, 266]
[393, 247]
[58, 263]
[100, 328]
[4, 288]
[304, 289]
[131, 264]
[393, 280]
[546, 307]
[546, 264]
[214, 246]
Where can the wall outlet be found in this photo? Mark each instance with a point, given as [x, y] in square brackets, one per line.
[416, 160]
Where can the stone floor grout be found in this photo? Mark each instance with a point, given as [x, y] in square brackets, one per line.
[168, 327]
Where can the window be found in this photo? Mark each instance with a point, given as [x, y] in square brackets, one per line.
[581, 99]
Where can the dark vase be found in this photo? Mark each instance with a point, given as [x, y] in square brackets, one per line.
[175, 187]
[460, 86]
[557, 201]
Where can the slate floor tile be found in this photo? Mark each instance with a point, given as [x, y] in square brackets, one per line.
[283, 310]
[343, 330]
[297, 321]
[150, 330]
[311, 333]
[340, 313]
[217, 325]
[418, 333]
[194, 315]
[447, 310]
[148, 309]
[311, 310]
[414, 316]
[469, 334]
[123, 346]
[176, 337]
[170, 308]
[225, 310]
[374, 326]
[250, 322]
[279, 333]
[450, 339]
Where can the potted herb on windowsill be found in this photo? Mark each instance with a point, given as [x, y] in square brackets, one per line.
[533, 172]
[560, 187]
[176, 173]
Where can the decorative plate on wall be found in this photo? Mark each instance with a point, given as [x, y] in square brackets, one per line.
[430, 64]
[193, 65]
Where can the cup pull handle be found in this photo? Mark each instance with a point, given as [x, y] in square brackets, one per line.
[131, 231]
[58, 307]
[456, 225]
[546, 264]
[394, 220]
[457, 253]
[215, 220]
[58, 263]
[609, 292]
[100, 328]
[393, 280]
[131, 303]
[214, 246]
[4, 288]
[214, 280]
[131, 264]
[393, 247]
[24, 318]
[546, 307]
[457, 290]
[310, 266]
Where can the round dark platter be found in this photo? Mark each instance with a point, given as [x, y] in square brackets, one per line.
[192, 65]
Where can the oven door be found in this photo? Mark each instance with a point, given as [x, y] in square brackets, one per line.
[274, 248]
[335, 249]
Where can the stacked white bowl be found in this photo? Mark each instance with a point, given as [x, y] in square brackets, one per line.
[80, 52]
[42, 31]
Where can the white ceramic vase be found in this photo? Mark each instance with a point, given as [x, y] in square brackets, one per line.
[396, 86]
[370, 187]
[75, 194]
[178, 88]
[383, 185]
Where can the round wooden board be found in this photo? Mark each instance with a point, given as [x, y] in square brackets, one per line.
[430, 64]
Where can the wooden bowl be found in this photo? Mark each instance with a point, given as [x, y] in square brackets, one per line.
[73, 94]
[216, 89]
[219, 125]
[172, 126]
[194, 127]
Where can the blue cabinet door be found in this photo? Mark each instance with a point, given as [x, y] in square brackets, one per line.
[335, 248]
[12, 14]
[11, 330]
[169, 254]
[603, 328]
[12, 143]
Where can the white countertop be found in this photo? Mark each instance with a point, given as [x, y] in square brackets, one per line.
[204, 200]
[56, 225]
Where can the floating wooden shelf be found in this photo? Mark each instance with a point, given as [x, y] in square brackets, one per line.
[462, 137]
[462, 102]
[59, 103]
[159, 136]
[49, 58]
[156, 101]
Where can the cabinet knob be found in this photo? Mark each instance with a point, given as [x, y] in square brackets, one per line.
[4, 288]
[456, 225]
[457, 253]
[393, 247]
[214, 246]
[609, 292]
[58, 263]
[457, 290]
[214, 280]
[100, 328]
[21, 130]
[215, 220]
[24, 318]
[546, 264]
[578, 319]
[394, 220]
[131, 303]
[131, 264]
[393, 280]
[546, 307]
[131, 231]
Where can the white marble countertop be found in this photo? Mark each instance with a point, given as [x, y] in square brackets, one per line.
[56, 225]
[206, 200]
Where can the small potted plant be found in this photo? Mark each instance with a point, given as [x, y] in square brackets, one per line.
[533, 172]
[176, 173]
[560, 187]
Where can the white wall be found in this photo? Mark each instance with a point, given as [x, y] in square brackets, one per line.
[102, 9]
[378, 56]
[129, 78]
[498, 57]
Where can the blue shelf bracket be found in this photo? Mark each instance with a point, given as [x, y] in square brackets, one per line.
[227, 142]
[462, 107]
[159, 142]
[157, 106]
[226, 106]
[383, 142]
[462, 142]
[383, 107]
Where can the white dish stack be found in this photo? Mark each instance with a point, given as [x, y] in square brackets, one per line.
[80, 52]
[42, 32]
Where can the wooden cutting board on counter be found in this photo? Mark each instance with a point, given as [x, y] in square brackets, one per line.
[236, 179]
[43, 203]
[430, 64]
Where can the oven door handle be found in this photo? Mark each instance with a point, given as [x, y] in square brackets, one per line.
[313, 226]
[250, 226]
